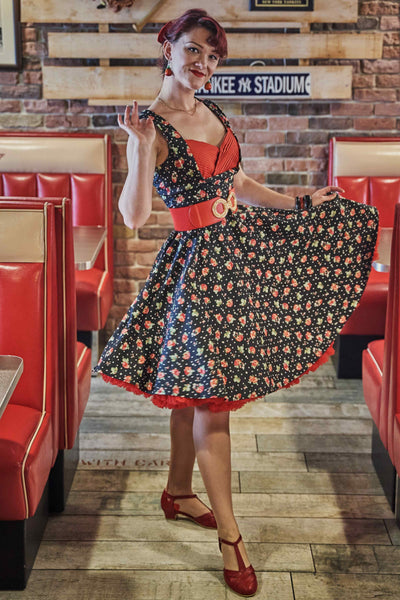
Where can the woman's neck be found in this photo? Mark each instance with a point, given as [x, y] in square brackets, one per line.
[176, 96]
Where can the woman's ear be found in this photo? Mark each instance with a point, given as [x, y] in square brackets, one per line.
[167, 49]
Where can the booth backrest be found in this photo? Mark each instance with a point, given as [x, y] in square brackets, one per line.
[76, 166]
[368, 169]
[70, 411]
[28, 322]
[390, 399]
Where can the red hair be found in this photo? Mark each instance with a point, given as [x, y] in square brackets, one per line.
[195, 17]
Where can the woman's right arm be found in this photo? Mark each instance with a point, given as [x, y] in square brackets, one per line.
[136, 197]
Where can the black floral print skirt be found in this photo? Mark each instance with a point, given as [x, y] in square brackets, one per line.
[243, 308]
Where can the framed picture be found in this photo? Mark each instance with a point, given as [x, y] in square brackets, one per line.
[10, 40]
[281, 5]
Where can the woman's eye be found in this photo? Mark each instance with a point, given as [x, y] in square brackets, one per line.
[192, 49]
[213, 57]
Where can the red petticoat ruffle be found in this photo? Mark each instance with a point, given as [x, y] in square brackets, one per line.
[214, 404]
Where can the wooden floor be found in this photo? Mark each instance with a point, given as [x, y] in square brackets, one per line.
[305, 493]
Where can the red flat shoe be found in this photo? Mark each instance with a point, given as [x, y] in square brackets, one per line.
[243, 581]
[171, 510]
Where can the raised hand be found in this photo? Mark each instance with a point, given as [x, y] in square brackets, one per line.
[326, 193]
[141, 131]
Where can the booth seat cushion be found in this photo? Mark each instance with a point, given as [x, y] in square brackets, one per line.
[84, 366]
[355, 188]
[372, 368]
[26, 450]
[384, 193]
[86, 190]
[94, 297]
[89, 207]
[369, 317]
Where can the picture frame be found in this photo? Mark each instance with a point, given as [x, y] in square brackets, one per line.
[10, 35]
[277, 5]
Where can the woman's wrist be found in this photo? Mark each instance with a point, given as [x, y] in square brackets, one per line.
[303, 202]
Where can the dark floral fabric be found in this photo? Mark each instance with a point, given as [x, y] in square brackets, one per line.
[242, 308]
[178, 180]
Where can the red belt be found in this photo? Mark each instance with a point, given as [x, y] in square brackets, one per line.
[204, 213]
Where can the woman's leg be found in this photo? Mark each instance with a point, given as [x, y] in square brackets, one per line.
[213, 451]
[182, 460]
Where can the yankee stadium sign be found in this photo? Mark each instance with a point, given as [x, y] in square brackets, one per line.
[258, 85]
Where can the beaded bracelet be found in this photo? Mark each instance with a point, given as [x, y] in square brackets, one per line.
[302, 203]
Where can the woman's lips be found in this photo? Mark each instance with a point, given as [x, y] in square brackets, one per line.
[197, 73]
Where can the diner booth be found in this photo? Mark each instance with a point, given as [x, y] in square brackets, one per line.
[56, 267]
[368, 168]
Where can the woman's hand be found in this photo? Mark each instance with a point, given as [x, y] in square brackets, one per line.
[141, 151]
[141, 131]
[324, 194]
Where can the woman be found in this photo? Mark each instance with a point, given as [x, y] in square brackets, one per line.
[240, 301]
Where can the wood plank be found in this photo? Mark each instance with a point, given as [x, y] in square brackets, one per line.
[339, 586]
[168, 556]
[69, 584]
[150, 12]
[241, 45]
[263, 481]
[104, 29]
[234, 12]
[122, 84]
[152, 460]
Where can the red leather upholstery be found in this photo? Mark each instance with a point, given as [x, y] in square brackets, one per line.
[91, 196]
[28, 321]
[384, 193]
[372, 368]
[357, 188]
[84, 368]
[74, 371]
[390, 404]
[361, 179]
[94, 298]
[370, 314]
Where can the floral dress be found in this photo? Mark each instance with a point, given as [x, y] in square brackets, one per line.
[239, 309]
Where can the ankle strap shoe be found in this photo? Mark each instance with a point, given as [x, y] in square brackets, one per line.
[243, 581]
[171, 510]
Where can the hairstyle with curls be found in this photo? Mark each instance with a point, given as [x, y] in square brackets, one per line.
[195, 17]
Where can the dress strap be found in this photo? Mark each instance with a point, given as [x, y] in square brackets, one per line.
[222, 116]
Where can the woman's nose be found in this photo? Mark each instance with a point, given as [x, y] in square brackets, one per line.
[201, 61]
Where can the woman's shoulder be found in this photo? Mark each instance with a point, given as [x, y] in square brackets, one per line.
[216, 109]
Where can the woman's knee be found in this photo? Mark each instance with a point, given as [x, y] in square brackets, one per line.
[185, 415]
[211, 420]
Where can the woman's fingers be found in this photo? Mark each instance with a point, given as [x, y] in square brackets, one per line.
[142, 130]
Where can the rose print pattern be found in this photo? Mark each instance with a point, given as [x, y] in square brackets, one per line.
[242, 308]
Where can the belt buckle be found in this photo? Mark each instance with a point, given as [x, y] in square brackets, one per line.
[229, 203]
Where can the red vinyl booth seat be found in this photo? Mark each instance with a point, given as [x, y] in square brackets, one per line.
[368, 169]
[75, 166]
[390, 403]
[74, 357]
[28, 321]
[381, 362]
[84, 370]
[372, 368]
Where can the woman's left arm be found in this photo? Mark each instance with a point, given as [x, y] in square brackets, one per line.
[251, 192]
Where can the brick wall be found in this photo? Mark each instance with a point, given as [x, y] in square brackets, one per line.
[284, 144]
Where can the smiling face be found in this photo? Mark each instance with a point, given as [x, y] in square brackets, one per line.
[192, 59]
